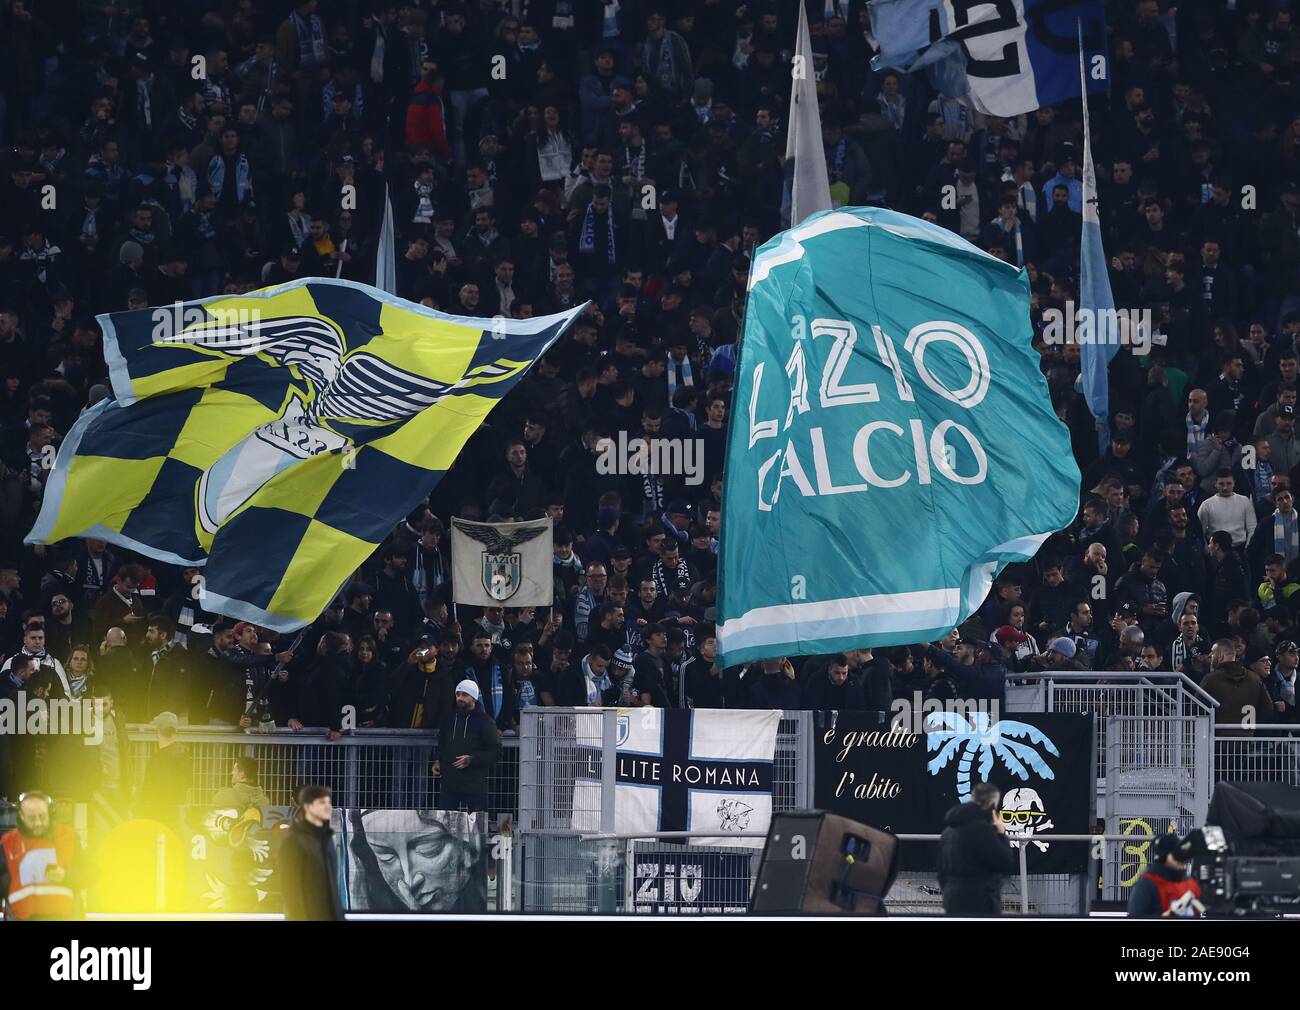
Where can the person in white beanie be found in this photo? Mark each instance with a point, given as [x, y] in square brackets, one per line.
[468, 747]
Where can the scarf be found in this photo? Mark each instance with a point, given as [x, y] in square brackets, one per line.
[144, 102]
[1263, 479]
[77, 684]
[1029, 200]
[424, 204]
[299, 228]
[680, 576]
[634, 164]
[311, 40]
[526, 694]
[652, 495]
[587, 241]
[1196, 432]
[1286, 535]
[554, 156]
[686, 378]
[892, 109]
[665, 66]
[497, 690]
[1286, 688]
[596, 685]
[187, 185]
[1013, 236]
[1181, 651]
[243, 177]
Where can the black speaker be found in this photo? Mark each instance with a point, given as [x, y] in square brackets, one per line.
[824, 864]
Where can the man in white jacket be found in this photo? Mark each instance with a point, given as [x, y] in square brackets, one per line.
[1228, 511]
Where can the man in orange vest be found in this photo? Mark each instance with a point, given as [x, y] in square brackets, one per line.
[39, 865]
[1165, 890]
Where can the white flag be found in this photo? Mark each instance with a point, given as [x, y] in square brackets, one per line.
[810, 189]
[502, 564]
[701, 770]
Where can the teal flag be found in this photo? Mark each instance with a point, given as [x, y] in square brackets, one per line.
[892, 444]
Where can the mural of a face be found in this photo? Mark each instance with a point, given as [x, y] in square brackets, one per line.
[425, 864]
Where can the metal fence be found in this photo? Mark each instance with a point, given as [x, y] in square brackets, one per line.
[1270, 753]
[1157, 756]
[1153, 696]
[377, 769]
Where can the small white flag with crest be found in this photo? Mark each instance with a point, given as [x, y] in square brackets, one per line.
[502, 564]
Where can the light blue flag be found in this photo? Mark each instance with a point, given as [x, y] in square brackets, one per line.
[386, 255]
[892, 445]
[1095, 299]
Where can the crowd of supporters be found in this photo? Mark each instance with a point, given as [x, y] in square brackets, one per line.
[540, 153]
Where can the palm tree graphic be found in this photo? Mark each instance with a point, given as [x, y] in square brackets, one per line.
[948, 733]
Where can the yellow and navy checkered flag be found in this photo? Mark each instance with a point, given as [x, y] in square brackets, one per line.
[276, 438]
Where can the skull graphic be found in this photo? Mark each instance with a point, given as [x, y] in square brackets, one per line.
[1023, 814]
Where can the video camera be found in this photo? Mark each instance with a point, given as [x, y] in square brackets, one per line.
[1247, 858]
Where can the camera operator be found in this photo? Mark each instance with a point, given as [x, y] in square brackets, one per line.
[1166, 890]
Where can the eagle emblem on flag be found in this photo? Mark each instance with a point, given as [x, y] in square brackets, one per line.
[501, 563]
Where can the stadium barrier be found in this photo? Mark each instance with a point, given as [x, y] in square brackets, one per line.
[368, 768]
[1154, 696]
[1270, 753]
[1161, 757]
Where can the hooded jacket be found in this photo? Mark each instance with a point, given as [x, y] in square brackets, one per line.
[973, 859]
[1167, 630]
[1235, 688]
[471, 733]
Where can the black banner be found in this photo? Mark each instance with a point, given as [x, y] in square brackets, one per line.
[905, 782]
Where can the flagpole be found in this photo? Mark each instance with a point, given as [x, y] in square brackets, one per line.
[1095, 296]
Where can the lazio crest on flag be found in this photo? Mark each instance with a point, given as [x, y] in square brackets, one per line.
[892, 443]
[276, 438]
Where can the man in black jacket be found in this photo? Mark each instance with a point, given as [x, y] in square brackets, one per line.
[974, 855]
[836, 688]
[468, 747]
[309, 866]
[494, 674]
[1227, 578]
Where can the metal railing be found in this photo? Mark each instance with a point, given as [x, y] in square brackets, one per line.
[1267, 753]
[661, 873]
[1146, 695]
[369, 768]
